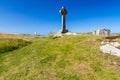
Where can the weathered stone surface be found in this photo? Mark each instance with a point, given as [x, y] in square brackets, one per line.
[71, 33]
[65, 34]
[111, 49]
[58, 35]
[115, 44]
[104, 42]
[98, 32]
[63, 12]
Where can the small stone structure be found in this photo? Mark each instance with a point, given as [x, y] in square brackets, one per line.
[105, 32]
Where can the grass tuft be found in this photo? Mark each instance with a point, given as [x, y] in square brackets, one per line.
[11, 44]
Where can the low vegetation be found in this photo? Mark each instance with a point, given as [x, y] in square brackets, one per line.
[65, 58]
[8, 44]
[26, 37]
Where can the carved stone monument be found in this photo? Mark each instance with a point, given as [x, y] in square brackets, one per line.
[63, 31]
[63, 12]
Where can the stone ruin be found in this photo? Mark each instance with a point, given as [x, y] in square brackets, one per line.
[105, 32]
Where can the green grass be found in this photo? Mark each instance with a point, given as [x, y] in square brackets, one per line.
[8, 44]
[65, 58]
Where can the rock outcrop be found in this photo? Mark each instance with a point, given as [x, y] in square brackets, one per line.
[111, 48]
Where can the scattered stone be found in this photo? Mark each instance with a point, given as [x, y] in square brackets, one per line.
[104, 42]
[115, 63]
[58, 35]
[108, 48]
[115, 44]
[71, 33]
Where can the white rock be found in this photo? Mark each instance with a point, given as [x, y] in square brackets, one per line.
[103, 42]
[70, 33]
[58, 35]
[110, 49]
[115, 44]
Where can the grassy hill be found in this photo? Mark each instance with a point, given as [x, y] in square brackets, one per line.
[65, 58]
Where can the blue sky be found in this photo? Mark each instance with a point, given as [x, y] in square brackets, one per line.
[43, 17]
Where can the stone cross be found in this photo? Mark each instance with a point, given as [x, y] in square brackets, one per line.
[63, 12]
